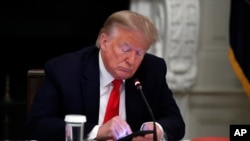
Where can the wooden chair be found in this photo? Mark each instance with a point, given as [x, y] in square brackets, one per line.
[35, 78]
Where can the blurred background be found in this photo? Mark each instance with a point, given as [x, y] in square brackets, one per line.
[33, 31]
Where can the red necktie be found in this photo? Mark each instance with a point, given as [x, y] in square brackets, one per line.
[113, 103]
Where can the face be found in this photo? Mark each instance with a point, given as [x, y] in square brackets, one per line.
[122, 52]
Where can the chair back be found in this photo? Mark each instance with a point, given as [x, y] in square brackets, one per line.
[35, 78]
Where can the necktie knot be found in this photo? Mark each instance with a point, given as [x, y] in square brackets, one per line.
[116, 83]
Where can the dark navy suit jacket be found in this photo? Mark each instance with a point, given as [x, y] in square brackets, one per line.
[71, 86]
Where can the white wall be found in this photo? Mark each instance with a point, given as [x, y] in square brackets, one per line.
[216, 99]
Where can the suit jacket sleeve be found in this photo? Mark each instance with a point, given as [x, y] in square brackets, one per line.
[152, 74]
[65, 91]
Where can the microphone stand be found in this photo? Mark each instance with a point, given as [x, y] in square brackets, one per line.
[139, 87]
[138, 133]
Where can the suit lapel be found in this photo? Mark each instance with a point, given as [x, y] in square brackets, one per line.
[90, 88]
[133, 103]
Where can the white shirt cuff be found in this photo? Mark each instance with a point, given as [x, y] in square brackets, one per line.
[93, 133]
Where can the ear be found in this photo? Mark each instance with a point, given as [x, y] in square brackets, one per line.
[103, 41]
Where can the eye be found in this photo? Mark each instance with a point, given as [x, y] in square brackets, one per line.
[140, 52]
[125, 48]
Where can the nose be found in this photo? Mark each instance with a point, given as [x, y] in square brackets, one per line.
[130, 59]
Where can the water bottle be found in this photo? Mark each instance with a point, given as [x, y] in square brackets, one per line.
[74, 127]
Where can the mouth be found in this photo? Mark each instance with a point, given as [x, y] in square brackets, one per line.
[127, 70]
[124, 73]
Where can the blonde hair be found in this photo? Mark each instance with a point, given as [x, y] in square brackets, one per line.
[130, 20]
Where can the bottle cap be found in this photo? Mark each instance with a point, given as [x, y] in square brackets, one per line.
[75, 118]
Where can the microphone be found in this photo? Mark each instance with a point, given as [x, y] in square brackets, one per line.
[139, 87]
[142, 133]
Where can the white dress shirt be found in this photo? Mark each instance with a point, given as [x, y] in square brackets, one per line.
[106, 87]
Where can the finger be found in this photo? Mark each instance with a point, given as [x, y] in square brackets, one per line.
[115, 128]
[149, 136]
[141, 138]
[122, 128]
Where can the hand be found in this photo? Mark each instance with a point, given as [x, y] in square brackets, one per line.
[113, 129]
[149, 137]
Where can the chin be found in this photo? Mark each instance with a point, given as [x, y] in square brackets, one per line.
[124, 77]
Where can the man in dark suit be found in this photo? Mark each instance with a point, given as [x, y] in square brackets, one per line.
[80, 83]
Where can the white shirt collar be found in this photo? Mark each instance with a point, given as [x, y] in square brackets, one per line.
[105, 77]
